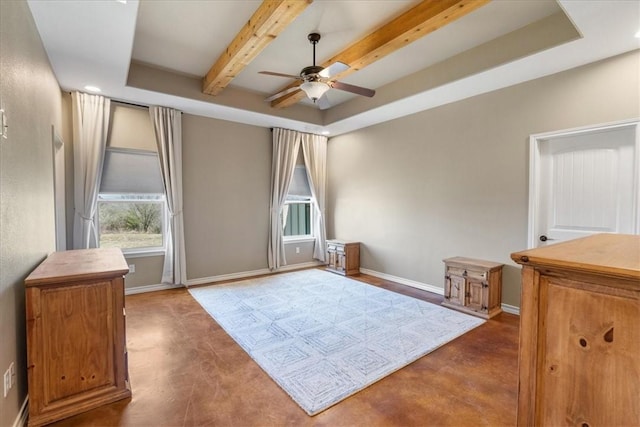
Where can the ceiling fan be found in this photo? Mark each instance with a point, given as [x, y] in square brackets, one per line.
[316, 80]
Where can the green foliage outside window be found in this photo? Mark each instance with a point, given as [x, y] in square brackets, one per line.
[130, 224]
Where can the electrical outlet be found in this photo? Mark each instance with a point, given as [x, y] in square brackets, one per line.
[297, 250]
[132, 268]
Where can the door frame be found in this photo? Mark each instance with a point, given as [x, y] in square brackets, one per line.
[59, 191]
[535, 142]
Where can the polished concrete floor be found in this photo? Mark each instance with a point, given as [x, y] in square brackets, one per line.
[186, 371]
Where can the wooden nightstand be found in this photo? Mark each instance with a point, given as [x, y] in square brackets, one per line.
[343, 257]
[473, 286]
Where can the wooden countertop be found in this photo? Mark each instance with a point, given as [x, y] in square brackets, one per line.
[81, 264]
[611, 254]
[342, 242]
[462, 261]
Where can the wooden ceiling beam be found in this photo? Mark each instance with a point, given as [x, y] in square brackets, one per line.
[417, 22]
[268, 21]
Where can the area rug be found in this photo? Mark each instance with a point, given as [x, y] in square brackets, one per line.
[323, 337]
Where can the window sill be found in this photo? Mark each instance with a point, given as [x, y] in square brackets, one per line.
[143, 254]
[298, 239]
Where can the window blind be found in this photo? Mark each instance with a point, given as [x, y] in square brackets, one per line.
[127, 171]
[299, 186]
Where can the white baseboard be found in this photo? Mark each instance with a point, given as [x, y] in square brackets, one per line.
[403, 281]
[264, 271]
[429, 288]
[149, 288]
[511, 309]
[21, 419]
[247, 274]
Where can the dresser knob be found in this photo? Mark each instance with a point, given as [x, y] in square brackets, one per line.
[524, 258]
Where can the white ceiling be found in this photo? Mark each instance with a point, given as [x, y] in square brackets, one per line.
[94, 42]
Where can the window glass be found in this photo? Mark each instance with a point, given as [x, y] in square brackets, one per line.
[296, 218]
[297, 212]
[131, 222]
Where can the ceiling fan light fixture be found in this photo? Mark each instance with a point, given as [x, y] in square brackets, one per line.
[314, 90]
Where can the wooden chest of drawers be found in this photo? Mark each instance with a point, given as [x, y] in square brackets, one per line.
[473, 286]
[580, 333]
[343, 257]
[76, 351]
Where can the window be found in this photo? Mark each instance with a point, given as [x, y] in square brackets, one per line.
[132, 211]
[133, 223]
[297, 212]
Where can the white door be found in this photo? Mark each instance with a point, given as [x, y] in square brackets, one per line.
[585, 182]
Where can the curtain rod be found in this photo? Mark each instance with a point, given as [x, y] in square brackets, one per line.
[130, 103]
[133, 104]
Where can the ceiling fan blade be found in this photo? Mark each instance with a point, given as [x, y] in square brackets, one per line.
[334, 69]
[282, 93]
[271, 73]
[353, 89]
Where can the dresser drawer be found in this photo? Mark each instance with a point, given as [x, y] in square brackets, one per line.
[472, 274]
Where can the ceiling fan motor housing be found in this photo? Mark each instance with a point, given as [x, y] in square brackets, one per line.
[311, 72]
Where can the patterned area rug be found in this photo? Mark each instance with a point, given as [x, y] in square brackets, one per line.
[323, 337]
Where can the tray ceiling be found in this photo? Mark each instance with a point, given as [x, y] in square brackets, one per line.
[156, 52]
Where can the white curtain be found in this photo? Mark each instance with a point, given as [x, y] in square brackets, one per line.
[90, 126]
[314, 148]
[286, 144]
[167, 126]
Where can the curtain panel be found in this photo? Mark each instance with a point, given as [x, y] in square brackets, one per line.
[286, 144]
[167, 126]
[314, 149]
[91, 115]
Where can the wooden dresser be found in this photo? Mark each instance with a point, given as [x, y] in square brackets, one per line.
[473, 286]
[580, 333]
[76, 350]
[343, 257]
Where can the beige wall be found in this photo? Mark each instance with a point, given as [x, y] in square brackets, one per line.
[148, 271]
[31, 98]
[226, 174]
[226, 185]
[454, 180]
[130, 127]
